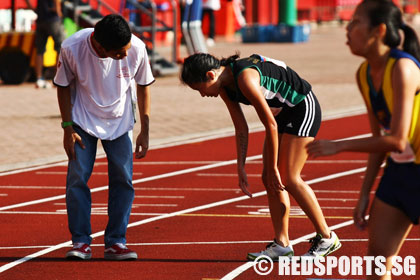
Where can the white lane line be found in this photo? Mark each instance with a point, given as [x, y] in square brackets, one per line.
[239, 270]
[155, 205]
[209, 189]
[28, 169]
[64, 212]
[92, 204]
[190, 243]
[38, 201]
[336, 161]
[176, 213]
[161, 196]
[327, 161]
[266, 207]
[33, 187]
[133, 205]
[177, 162]
[224, 175]
[147, 179]
[136, 188]
[337, 199]
[65, 173]
[334, 191]
[181, 162]
[336, 208]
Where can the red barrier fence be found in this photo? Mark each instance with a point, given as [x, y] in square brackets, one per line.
[327, 10]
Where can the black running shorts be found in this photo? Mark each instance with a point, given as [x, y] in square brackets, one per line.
[303, 120]
[400, 187]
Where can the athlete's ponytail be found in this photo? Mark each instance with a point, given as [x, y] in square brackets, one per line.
[411, 41]
[229, 60]
[196, 66]
[386, 12]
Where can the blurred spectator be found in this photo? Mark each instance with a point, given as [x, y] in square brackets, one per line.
[48, 23]
[238, 11]
[209, 7]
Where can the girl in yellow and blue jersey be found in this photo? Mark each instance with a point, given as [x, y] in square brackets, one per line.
[389, 81]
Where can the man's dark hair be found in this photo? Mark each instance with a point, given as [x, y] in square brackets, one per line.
[112, 32]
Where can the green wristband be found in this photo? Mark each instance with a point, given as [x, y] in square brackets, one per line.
[66, 124]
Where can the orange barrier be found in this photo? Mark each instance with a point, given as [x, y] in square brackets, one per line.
[21, 40]
[25, 42]
[326, 10]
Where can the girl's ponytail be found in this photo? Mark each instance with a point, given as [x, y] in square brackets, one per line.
[411, 41]
[229, 60]
[386, 12]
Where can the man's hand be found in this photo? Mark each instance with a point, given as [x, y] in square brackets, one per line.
[69, 140]
[143, 142]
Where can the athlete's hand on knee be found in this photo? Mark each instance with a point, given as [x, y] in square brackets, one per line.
[319, 148]
[359, 213]
[143, 142]
[274, 181]
[69, 140]
[243, 182]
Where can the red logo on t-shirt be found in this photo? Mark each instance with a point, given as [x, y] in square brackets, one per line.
[125, 73]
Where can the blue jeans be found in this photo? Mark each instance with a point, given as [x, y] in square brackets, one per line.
[119, 153]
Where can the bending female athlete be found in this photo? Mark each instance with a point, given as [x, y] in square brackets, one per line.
[291, 115]
[389, 81]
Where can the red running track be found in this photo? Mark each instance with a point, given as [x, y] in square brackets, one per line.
[189, 219]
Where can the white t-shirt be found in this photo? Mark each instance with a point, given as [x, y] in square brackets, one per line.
[103, 89]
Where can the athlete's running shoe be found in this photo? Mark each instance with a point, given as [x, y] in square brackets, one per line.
[273, 251]
[119, 252]
[322, 247]
[80, 251]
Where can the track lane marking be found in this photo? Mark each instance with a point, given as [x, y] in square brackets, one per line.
[239, 270]
[190, 243]
[185, 211]
[99, 173]
[147, 179]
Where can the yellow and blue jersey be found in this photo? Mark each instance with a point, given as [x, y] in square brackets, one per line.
[381, 103]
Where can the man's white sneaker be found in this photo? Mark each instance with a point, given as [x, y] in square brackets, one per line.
[273, 251]
[322, 247]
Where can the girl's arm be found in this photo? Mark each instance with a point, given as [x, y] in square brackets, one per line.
[249, 84]
[241, 136]
[405, 81]
[373, 166]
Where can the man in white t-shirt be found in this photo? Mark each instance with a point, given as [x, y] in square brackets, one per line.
[101, 73]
